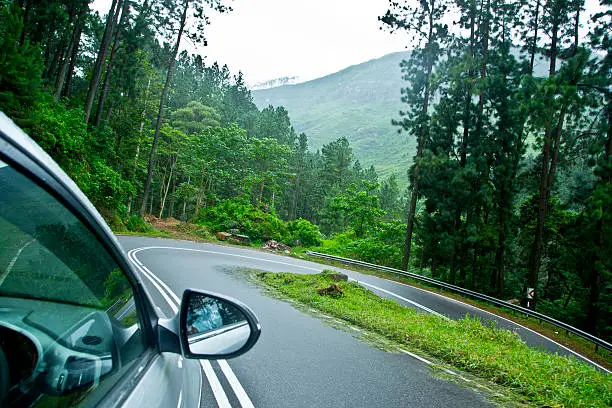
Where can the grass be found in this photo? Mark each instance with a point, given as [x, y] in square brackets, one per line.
[488, 352]
[575, 343]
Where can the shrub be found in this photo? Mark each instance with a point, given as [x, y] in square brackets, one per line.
[303, 231]
[239, 213]
[137, 224]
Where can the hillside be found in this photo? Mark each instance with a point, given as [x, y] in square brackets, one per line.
[358, 103]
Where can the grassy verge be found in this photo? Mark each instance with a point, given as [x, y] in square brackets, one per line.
[575, 343]
[488, 352]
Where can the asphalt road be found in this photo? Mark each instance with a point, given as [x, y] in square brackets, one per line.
[300, 360]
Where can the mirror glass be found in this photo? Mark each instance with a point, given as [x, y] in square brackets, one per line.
[215, 326]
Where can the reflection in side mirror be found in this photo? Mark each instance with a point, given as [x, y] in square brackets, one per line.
[213, 326]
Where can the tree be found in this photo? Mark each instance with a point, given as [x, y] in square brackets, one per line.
[425, 22]
[201, 21]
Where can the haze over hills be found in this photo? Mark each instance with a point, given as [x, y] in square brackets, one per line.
[275, 82]
[357, 103]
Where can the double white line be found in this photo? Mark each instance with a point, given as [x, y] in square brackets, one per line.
[174, 303]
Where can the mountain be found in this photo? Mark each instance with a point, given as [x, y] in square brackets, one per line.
[357, 103]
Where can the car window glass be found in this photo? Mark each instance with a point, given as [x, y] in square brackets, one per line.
[68, 319]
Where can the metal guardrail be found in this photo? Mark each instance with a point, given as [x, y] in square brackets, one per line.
[570, 329]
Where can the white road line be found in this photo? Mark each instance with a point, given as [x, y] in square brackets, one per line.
[226, 254]
[215, 385]
[509, 321]
[399, 297]
[404, 299]
[161, 291]
[159, 281]
[12, 263]
[244, 399]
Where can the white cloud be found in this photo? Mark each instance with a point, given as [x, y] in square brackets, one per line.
[267, 39]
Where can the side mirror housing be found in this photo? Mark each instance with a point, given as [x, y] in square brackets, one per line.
[213, 326]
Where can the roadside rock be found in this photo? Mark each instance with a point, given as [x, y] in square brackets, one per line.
[223, 236]
[334, 291]
[276, 246]
[339, 277]
[243, 239]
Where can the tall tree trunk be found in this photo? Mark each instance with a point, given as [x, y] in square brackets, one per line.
[67, 59]
[185, 202]
[420, 146]
[166, 189]
[545, 180]
[113, 15]
[260, 194]
[501, 242]
[534, 45]
[111, 60]
[171, 206]
[465, 138]
[596, 277]
[73, 57]
[162, 104]
[577, 26]
[26, 16]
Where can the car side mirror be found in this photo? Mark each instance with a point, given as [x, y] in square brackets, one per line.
[213, 326]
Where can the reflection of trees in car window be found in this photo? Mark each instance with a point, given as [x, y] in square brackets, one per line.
[62, 293]
[205, 313]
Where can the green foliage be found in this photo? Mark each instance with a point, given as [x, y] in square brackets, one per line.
[195, 117]
[60, 131]
[137, 224]
[20, 66]
[382, 246]
[239, 213]
[104, 186]
[303, 231]
[115, 286]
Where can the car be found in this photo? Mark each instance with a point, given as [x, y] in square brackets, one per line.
[77, 324]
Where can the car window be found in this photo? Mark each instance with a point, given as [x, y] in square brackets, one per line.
[68, 320]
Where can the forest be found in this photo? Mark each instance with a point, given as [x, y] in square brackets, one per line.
[511, 183]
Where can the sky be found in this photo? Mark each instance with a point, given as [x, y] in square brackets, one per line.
[268, 39]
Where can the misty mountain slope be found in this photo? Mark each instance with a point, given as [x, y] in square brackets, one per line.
[358, 103]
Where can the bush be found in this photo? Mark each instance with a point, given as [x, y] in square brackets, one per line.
[383, 246]
[137, 224]
[240, 214]
[303, 231]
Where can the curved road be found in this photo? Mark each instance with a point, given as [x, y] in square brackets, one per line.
[300, 361]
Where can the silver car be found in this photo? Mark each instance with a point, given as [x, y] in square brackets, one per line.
[77, 325]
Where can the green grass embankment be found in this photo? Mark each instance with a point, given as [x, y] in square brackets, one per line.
[488, 352]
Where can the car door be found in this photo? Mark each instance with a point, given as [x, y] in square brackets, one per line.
[77, 327]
